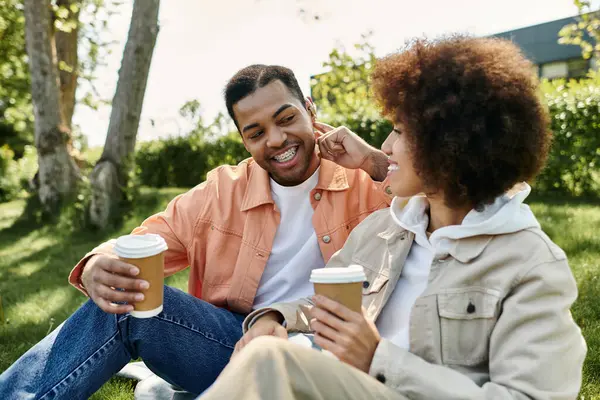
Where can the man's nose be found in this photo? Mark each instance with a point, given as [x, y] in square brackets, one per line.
[277, 138]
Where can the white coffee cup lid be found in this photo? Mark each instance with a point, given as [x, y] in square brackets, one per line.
[351, 274]
[140, 246]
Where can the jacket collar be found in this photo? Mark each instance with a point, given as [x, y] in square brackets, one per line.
[463, 250]
[258, 187]
[332, 177]
[393, 232]
[467, 249]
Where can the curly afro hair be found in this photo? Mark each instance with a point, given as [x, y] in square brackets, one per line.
[472, 115]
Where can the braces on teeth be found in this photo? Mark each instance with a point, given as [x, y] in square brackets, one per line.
[287, 155]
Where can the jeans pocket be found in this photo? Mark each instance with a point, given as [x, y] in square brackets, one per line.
[467, 318]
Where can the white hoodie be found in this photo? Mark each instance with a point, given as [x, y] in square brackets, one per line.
[507, 214]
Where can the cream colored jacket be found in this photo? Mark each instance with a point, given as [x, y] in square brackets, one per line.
[493, 323]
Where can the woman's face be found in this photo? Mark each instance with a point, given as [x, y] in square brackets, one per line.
[404, 180]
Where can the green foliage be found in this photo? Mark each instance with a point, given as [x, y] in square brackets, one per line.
[16, 112]
[228, 149]
[73, 215]
[93, 23]
[169, 162]
[9, 180]
[574, 163]
[585, 32]
[130, 190]
[16, 174]
[343, 94]
[192, 112]
[184, 161]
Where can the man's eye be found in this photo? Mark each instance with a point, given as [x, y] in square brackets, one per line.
[287, 119]
[256, 134]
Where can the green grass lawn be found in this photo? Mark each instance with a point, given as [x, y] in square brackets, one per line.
[34, 265]
[35, 262]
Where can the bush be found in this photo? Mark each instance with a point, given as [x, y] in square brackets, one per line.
[185, 161]
[16, 174]
[574, 163]
[9, 177]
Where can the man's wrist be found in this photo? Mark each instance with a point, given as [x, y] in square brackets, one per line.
[376, 165]
[83, 270]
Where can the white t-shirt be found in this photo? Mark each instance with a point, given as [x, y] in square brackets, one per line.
[393, 322]
[295, 251]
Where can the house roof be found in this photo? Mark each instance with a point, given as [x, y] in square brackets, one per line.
[540, 42]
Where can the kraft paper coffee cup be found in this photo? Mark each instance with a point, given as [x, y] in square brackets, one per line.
[147, 253]
[343, 285]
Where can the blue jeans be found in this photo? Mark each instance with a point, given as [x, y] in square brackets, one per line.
[188, 344]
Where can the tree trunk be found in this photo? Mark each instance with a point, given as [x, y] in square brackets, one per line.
[110, 175]
[66, 53]
[57, 173]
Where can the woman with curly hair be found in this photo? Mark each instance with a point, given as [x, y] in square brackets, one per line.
[466, 297]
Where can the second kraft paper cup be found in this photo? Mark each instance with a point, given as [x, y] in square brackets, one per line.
[343, 285]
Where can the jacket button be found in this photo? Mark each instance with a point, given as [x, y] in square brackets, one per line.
[388, 190]
[326, 239]
[380, 377]
[317, 196]
[366, 284]
[471, 308]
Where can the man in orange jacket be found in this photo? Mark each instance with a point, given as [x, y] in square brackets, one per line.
[251, 235]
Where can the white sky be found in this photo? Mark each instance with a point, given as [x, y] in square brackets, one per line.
[202, 43]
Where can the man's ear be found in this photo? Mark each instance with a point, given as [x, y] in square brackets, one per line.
[311, 108]
[317, 134]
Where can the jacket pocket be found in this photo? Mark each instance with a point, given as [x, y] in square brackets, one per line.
[375, 281]
[467, 318]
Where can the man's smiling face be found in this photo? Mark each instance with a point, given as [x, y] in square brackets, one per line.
[277, 131]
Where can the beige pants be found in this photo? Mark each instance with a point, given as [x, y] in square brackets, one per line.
[274, 369]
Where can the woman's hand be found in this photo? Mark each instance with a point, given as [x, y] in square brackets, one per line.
[347, 334]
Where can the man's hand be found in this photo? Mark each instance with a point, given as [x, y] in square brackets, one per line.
[102, 274]
[267, 325]
[346, 148]
[347, 334]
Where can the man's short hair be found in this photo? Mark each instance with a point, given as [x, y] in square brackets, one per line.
[248, 79]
